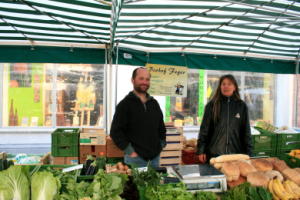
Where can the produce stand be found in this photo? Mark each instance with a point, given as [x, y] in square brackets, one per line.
[160, 183]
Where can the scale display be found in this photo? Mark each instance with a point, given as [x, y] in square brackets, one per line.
[201, 177]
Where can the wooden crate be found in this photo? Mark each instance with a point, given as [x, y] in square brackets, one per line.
[169, 161]
[112, 151]
[64, 160]
[93, 150]
[172, 153]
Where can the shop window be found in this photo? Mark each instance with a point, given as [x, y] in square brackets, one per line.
[47, 95]
[259, 95]
[24, 95]
[186, 109]
[79, 95]
[257, 89]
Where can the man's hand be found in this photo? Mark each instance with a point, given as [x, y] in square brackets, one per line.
[202, 158]
[133, 154]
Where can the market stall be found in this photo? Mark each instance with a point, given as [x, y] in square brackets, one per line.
[256, 36]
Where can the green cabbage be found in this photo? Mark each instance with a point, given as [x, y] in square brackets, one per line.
[44, 186]
[14, 184]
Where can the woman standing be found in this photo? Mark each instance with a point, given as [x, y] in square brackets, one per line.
[225, 127]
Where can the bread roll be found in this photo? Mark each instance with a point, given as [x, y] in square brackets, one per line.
[272, 159]
[232, 157]
[258, 179]
[245, 168]
[280, 165]
[292, 175]
[231, 171]
[262, 164]
[297, 169]
[274, 174]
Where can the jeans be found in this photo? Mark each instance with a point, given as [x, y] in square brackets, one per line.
[140, 162]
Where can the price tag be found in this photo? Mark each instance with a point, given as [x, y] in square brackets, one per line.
[72, 168]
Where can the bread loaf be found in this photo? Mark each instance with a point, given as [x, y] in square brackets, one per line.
[231, 171]
[272, 159]
[218, 165]
[280, 165]
[231, 157]
[274, 174]
[245, 168]
[258, 179]
[262, 164]
[292, 175]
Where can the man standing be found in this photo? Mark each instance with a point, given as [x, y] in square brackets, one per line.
[138, 127]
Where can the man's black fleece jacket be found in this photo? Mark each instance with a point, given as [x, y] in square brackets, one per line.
[139, 124]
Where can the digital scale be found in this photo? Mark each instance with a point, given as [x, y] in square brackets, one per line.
[200, 177]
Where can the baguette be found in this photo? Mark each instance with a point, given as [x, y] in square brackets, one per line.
[231, 157]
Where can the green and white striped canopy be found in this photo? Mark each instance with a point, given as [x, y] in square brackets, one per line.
[268, 29]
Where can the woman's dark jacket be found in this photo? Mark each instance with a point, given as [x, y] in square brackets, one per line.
[140, 125]
[230, 134]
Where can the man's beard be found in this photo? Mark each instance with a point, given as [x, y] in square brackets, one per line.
[140, 90]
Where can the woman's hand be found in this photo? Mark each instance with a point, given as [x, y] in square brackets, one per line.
[202, 158]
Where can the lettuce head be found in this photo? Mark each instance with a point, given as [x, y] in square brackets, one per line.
[44, 186]
[14, 184]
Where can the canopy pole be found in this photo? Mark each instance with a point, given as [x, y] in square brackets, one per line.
[297, 90]
[109, 87]
[116, 73]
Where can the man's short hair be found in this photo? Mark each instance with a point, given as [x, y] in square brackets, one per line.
[134, 73]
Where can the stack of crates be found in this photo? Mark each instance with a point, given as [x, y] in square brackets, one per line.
[92, 142]
[64, 146]
[287, 142]
[171, 154]
[264, 144]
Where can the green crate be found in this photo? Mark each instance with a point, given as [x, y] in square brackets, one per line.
[65, 151]
[65, 136]
[288, 141]
[65, 142]
[264, 142]
[269, 153]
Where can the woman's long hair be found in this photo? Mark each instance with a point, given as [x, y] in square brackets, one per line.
[216, 99]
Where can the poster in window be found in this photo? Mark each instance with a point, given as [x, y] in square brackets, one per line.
[168, 80]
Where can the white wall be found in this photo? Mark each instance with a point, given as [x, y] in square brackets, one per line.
[284, 100]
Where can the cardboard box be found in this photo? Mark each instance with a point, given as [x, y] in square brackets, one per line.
[65, 160]
[93, 130]
[92, 138]
[112, 151]
[93, 150]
